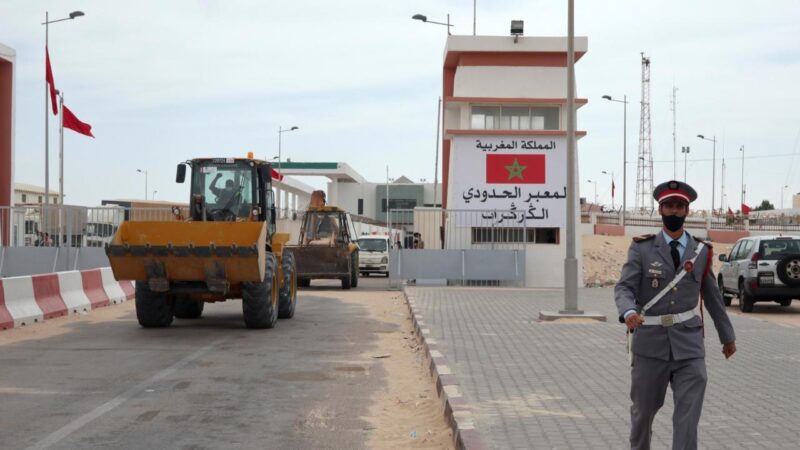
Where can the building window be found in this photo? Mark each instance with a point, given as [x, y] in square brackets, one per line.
[482, 235]
[40, 199]
[24, 198]
[399, 203]
[515, 117]
[485, 117]
[361, 207]
[544, 118]
[55, 200]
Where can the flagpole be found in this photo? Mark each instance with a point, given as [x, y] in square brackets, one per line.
[60, 164]
[46, 116]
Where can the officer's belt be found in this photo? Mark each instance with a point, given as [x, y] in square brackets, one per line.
[668, 320]
[678, 277]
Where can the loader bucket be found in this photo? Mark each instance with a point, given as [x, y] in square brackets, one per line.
[218, 253]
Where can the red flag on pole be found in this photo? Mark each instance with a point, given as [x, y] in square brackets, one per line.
[515, 169]
[48, 74]
[276, 175]
[612, 188]
[745, 209]
[74, 124]
[730, 211]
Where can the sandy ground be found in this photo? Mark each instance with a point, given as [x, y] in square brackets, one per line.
[408, 413]
[603, 257]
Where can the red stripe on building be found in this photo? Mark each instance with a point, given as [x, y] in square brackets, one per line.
[515, 169]
[127, 288]
[47, 292]
[6, 321]
[93, 287]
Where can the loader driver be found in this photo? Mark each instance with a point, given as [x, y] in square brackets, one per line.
[226, 199]
[327, 230]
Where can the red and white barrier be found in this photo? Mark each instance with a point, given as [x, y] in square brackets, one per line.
[72, 292]
[29, 299]
[21, 301]
[113, 287]
[93, 287]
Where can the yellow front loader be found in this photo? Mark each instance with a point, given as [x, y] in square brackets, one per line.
[226, 248]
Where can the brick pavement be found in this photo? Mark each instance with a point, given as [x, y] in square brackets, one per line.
[534, 384]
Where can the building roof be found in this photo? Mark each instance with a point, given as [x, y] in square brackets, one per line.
[32, 188]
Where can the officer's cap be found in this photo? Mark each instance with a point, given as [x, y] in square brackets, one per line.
[674, 190]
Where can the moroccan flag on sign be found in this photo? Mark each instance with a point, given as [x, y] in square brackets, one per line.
[515, 169]
[74, 124]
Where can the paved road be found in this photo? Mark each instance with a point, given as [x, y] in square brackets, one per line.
[534, 384]
[205, 383]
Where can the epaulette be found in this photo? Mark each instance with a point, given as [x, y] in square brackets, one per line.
[644, 237]
[707, 244]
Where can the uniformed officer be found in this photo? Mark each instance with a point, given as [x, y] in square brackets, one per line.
[658, 298]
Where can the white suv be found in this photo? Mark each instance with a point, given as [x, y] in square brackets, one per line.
[761, 268]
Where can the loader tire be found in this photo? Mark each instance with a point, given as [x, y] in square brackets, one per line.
[260, 299]
[152, 308]
[288, 293]
[185, 308]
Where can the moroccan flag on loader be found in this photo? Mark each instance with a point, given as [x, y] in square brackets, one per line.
[515, 169]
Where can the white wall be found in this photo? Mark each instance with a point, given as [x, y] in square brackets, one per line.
[514, 82]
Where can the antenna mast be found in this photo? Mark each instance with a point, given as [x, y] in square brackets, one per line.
[644, 172]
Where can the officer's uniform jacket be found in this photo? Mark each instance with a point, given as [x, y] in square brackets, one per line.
[647, 272]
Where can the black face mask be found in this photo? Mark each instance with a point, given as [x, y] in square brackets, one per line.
[673, 223]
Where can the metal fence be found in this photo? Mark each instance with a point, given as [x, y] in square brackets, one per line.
[462, 247]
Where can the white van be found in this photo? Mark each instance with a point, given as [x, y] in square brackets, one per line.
[374, 254]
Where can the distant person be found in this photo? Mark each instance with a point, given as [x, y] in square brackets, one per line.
[398, 245]
[418, 242]
[38, 241]
[46, 242]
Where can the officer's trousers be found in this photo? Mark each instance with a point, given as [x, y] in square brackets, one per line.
[649, 380]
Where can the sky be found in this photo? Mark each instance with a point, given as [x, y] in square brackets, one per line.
[163, 82]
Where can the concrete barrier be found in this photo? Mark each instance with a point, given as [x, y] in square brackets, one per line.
[34, 298]
[112, 287]
[93, 287]
[20, 301]
[72, 292]
[6, 321]
[47, 293]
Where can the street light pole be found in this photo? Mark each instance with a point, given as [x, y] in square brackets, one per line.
[46, 24]
[713, 168]
[424, 18]
[595, 190]
[782, 188]
[280, 132]
[436, 163]
[145, 181]
[624, 102]
[741, 149]
[612, 187]
[685, 151]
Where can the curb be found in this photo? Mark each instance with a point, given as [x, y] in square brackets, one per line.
[35, 298]
[456, 410]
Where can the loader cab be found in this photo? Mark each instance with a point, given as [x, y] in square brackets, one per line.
[229, 190]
